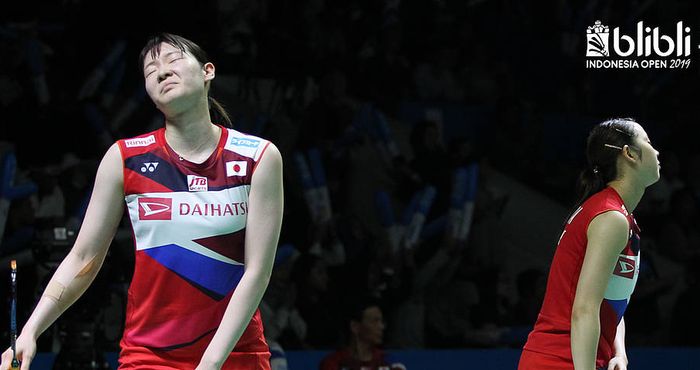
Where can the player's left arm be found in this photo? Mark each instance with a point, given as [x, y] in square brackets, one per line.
[265, 206]
[619, 361]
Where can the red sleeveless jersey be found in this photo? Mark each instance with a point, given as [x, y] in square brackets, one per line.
[189, 223]
[552, 331]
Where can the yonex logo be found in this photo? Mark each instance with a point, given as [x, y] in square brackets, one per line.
[251, 143]
[155, 208]
[149, 166]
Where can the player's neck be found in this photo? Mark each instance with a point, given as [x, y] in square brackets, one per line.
[362, 351]
[631, 195]
[195, 141]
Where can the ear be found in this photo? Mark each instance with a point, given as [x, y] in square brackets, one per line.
[209, 71]
[628, 153]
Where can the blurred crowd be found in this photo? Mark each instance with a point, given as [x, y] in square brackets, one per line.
[373, 204]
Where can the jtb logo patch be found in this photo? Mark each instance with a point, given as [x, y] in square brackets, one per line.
[155, 208]
[197, 183]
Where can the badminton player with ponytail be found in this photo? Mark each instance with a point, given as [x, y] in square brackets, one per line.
[596, 263]
[205, 204]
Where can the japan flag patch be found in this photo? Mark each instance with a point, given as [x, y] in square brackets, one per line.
[236, 168]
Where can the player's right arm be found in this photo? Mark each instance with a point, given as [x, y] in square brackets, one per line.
[79, 268]
[607, 234]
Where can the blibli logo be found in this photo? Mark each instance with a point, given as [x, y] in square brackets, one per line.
[250, 143]
[646, 42]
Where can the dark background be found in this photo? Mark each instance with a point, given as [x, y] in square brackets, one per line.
[509, 78]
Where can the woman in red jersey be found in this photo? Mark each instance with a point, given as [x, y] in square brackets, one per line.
[595, 267]
[205, 204]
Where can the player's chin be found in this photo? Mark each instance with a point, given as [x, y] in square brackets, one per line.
[653, 179]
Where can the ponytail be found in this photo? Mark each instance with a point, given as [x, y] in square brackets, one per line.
[590, 181]
[219, 114]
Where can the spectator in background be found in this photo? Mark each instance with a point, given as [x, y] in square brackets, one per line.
[329, 116]
[51, 204]
[430, 160]
[679, 237]
[685, 321]
[29, 53]
[316, 301]
[692, 176]
[365, 326]
[284, 327]
[435, 78]
[384, 75]
[429, 152]
[645, 316]
[449, 315]
[281, 318]
[531, 285]
[659, 198]
[17, 211]
[20, 227]
[428, 298]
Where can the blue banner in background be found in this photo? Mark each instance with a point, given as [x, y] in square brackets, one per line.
[650, 358]
[504, 359]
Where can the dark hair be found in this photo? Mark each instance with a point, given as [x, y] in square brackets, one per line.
[604, 144]
[152, 48]
[356, 305]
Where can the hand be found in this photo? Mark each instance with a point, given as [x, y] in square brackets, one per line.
[618, 363]
[25, 349]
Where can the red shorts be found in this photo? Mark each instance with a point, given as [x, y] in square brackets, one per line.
[530, 360]
[256, 356]
[155, 361]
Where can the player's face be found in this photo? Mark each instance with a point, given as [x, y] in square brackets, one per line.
[372, 326]
[649, 157]
[175, 77]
